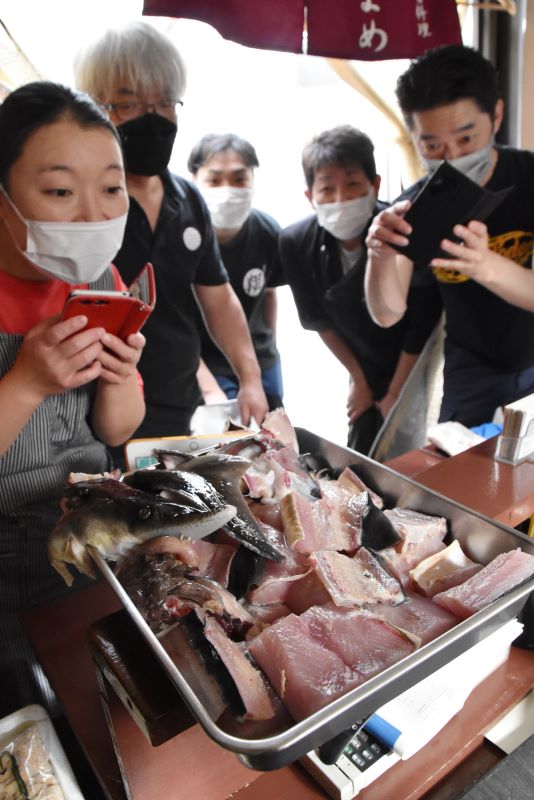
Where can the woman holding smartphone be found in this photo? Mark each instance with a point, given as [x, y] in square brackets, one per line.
[66, 390]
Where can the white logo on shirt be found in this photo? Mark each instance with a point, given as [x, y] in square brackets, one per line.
[254, 282]
[192, 238]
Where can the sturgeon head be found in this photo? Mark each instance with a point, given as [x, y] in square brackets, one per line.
[113, 518]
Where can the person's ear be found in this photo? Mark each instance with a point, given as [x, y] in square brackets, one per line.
[376, 184]
[308, 194]
[498, 115]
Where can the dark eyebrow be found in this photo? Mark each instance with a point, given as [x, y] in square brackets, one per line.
[65, 168]
[462, 129]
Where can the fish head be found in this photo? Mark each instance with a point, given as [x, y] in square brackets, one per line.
[188, 488]
[114, 524]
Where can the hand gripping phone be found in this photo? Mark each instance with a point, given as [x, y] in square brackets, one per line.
[120, 313]
[447, 198]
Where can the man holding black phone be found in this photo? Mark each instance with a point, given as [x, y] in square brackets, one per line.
[451, 103]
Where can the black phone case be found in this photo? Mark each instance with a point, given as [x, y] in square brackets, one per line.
[447, 199]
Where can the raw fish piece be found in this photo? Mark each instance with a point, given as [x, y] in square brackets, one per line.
[355, 581]
[492, 581]
[279, 425]
[248, 679]
[330, 523]
[305, 675]
[415, 527]
[370, 564]
[278, 472]
[352, 481]
[364, 642]
[268, 513]
[319, 656]
[264, 616]
[422, 536]
[276, 579]
[417, 615]
[346, 582]
[443, 570]
[307, 591]
[205, 559]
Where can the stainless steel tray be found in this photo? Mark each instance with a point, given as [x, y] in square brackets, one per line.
[263, 749]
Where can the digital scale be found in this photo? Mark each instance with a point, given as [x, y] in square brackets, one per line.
[363, 760]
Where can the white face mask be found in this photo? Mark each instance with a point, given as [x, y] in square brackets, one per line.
[473, 165]
[74, 252]
[229, 206]
[347, 219]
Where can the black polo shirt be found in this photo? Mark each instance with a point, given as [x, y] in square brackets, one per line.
[183, 251]
[328, 300]
[477, 320]
[252, 262]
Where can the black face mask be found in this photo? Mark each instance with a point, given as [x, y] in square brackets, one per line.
[147, 143]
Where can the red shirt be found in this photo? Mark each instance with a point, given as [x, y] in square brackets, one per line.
[25, 303]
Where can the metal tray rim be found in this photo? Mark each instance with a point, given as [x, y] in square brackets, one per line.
[335, 709]
[340, 713]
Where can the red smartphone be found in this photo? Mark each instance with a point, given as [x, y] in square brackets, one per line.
[120, 313]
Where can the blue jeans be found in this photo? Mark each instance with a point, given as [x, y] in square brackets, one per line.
[271, 380]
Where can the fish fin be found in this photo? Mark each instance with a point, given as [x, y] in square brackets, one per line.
[61, 567]
[76, 553]
[208, 522]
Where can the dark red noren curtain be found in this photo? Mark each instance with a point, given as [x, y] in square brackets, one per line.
[364, 30]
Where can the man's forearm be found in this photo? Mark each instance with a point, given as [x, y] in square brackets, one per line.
[387, 281]
[344, 354]
[405, 364]
[227, 324]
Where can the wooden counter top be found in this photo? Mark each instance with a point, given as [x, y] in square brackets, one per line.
[473, 478]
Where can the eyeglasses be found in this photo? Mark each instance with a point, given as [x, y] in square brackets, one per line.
[127, 111]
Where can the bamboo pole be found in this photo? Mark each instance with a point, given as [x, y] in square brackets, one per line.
[413, 169]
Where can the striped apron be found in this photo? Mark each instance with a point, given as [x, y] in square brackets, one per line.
[56, 440]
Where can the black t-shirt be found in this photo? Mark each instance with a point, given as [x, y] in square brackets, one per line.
[183, 251]
[252, 262]
[478, 321]
[327, 300]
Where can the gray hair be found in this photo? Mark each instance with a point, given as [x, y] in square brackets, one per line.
[138, 56]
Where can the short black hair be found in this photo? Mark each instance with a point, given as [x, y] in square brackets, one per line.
[36, 105]
[213, 143]
[444, 75]
[345, 146]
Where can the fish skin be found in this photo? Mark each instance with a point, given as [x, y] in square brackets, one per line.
[378, 532]
[224, 472]
[116, 519]
[179, 483]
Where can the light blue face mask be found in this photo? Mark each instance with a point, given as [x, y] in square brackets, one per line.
[473, 165]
